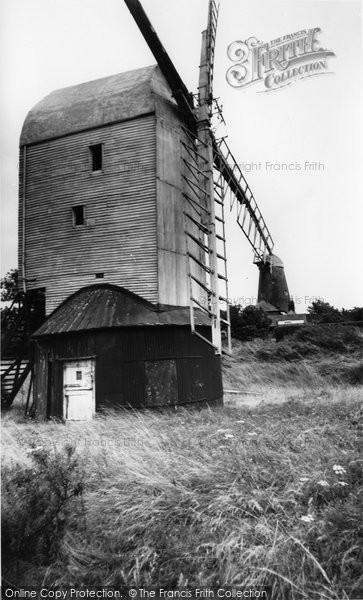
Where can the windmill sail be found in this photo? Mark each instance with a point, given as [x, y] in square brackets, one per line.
[180, 92]
[211, 174]
[212, 289]
[249, 216]
[207, 59]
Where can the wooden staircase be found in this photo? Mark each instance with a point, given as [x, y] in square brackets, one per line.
[13, 374]
[17, 324]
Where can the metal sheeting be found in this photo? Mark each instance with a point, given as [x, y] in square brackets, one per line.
[125, 357]
[118, 238]
[106, 306]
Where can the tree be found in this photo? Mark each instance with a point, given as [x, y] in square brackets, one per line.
[9, 285]
[323, 312]
[9, 290]
[354, 314]
[248, 323]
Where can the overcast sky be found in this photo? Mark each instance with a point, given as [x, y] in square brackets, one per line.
[315, 216]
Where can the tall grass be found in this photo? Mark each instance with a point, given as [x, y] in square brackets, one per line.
[266, 495]
[213, 497]
[314, 357]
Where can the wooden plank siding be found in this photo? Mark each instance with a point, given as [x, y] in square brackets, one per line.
[173, 265]
[134, 230]
[171, 204]
[119, 237]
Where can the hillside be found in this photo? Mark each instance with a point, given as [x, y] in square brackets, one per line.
[312, 357]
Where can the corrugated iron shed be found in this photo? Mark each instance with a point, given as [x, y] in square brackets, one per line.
[105, 305]
[94, 104]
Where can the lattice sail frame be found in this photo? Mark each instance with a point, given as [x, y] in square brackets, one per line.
[205, 228]
[203, 190]
[214, 175]
[241, 197]
[206, 241]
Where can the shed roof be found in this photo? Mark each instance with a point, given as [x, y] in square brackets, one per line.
[94, 104]
[105, 305]
[267, 307]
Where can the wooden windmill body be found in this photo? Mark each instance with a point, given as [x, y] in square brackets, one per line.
[122, 239]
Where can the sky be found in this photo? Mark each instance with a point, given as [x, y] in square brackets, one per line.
[314, 215]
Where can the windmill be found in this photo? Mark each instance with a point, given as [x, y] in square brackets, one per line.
[122, 192]
[212, 176]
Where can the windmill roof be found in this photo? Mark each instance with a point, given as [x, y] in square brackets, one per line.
[94, 104]
[105, 305]
[274, 260]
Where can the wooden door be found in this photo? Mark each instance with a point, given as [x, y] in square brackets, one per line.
[79, 390]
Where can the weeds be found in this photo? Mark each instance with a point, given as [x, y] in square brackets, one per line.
[263, 496]
[38, 505]
[312, 357]
[229, 496]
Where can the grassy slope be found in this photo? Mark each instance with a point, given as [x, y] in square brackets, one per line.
[315, 357]
[211, 497]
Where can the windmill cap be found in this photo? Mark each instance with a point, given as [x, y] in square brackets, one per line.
[274, 261]
[94, 104]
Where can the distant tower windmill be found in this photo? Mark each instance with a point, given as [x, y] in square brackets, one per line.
[211, 175]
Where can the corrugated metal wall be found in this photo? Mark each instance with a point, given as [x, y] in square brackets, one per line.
[119, 236]
[144, 366]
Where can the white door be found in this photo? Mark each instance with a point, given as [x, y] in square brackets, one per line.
[79, 390]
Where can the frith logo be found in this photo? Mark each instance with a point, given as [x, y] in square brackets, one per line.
[279, 62]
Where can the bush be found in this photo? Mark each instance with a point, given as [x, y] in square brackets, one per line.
[290, 350]
[36, 505]
[323, 312]
[311, 341]
[354, 314]
[334, 338]
[249, 323]
[317, 352]
[354, 375]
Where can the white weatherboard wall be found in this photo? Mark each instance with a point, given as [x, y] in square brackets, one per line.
[134, 228]
[119, 235]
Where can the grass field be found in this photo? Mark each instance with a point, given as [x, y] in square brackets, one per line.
[264, 491]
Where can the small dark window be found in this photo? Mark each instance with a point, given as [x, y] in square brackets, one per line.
[96, 157]
[78, 375]
[78, 215]
[100, 275]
